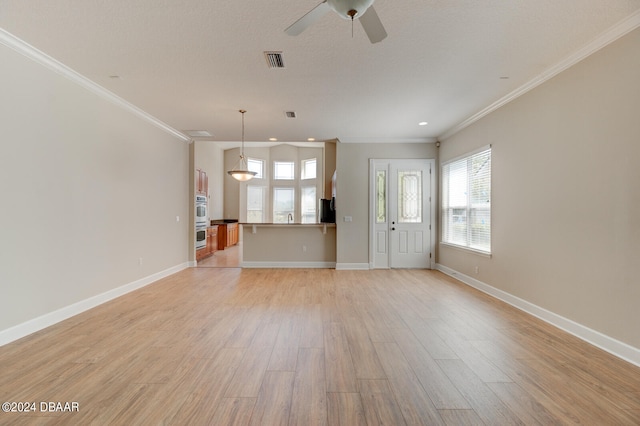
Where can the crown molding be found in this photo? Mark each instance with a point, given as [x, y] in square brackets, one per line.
[13, 42]
[387, 140]
[612, 34]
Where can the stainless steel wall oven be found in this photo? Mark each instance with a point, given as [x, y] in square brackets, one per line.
[201, 210]
[201, 236]
[202, 217]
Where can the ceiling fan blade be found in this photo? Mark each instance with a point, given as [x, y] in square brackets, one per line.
[309, 19]
[373, 26]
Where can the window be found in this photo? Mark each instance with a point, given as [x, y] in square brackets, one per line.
[308, 204]
[283, 170]
[309, 169]
[466, 201]
[283, 204]
[255, 204]
[257, 166]
[294, 171]
[410, 196]
[381, 196]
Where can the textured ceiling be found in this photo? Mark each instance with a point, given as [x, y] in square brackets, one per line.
[193, 63]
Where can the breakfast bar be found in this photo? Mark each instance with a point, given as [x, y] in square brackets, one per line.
[288, 245]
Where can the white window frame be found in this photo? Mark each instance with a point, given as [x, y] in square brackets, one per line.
[293, 171]
[303, 168]
[295, 163]
[273, 197]
[315, 203]
[260, 174]
[468, 208]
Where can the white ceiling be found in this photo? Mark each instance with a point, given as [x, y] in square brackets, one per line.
[193, 63]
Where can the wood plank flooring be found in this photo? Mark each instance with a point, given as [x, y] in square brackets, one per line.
[228, 346]
[231, 257]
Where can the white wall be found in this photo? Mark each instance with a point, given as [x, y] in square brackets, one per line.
[87, 189]
[566, 194]
[210, 158]
[352, 197]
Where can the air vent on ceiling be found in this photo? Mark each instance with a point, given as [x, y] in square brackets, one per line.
[290, 114]
[198, 133]
[274, 59]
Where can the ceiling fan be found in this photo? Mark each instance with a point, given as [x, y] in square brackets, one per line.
[348, 9]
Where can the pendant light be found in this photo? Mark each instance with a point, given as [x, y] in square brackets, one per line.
[241, 170]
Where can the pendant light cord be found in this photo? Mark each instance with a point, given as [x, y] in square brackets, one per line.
[242, 111]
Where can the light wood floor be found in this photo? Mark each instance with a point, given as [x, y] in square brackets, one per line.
[231, 257]
[225, 346]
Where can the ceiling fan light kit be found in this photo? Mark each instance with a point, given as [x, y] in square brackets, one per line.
[346, 8]
[241, 170]
[361, 10]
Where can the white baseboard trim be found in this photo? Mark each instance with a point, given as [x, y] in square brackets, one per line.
[21, 330]
[325, 265]
[602, 341]
[352, 266]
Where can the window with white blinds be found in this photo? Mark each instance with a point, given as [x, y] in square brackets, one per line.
[466, 201]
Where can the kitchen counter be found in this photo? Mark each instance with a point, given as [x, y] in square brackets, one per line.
[288, 245]
[262, 224]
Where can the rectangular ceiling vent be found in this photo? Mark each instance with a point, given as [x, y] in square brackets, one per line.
[198, 133]
[274, 59]
[290, 114]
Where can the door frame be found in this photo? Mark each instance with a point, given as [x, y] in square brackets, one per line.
[433, 200]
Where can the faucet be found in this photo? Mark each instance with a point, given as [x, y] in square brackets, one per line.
[289, 218]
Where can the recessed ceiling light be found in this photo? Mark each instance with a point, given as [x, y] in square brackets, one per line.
[422, 123]
[273, 139]
[311, 139]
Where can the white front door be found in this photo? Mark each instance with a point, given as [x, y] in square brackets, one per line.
[401, 214]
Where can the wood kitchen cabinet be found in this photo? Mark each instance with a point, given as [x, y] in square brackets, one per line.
[212, 239]
[212, 243]
[232, 234]
[228, 235]
[202, 182]
[201, 254]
